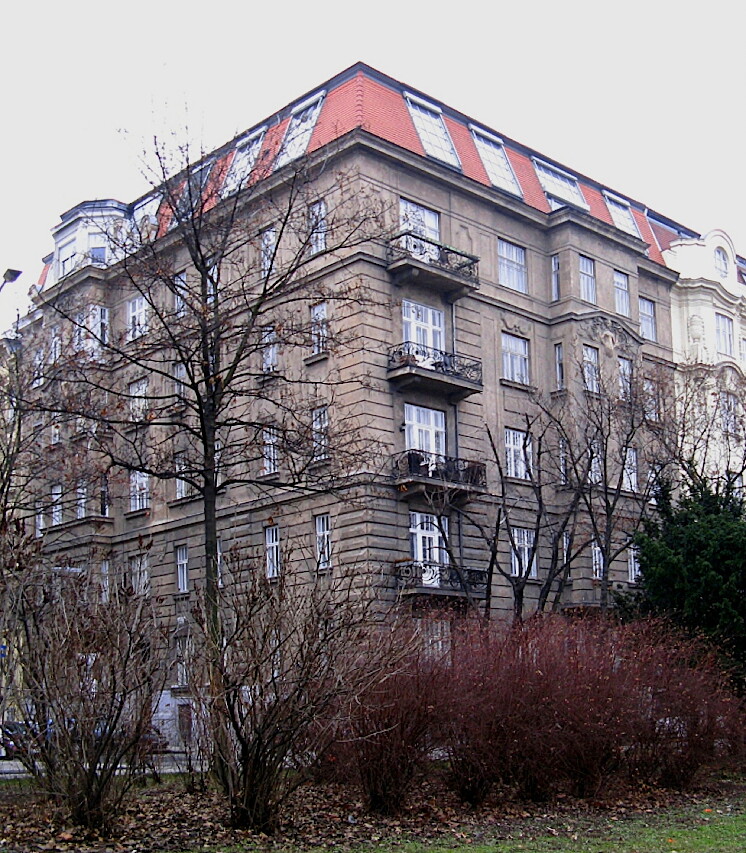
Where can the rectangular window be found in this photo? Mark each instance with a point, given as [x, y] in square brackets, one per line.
[242, 163]
[651, 399]
[597, 561]
[633, 564]
[729, 413]
[423, 327]
[319, 328]
[268, 243]
[81, 500]
[724, 335]
[425, 430]
[427, 545]
[103, 497]
[67, 258]
[522, 553]
[136, 318]
[621, 214]
[56, 508]
[37, 378]
[272, 551]
[317, 227]
[39, 519]
[433, 133]
[511, 266]
[587, 279]
[139, 574]
[517, 454]
[320, 433]
[182, 568]
[421, 227]
[515, 359]
[182, 487]
[559, 367]
[560, 187]
[179, 373]
[138, 399]
[625, 378]
[495, 161]
[629, 474]
[139, 491]
[591, 376]
[555, 277]
[648, 326]
[180, 293]
[55, 347]
[270, 450]
[269, 349]
[104, 581]
[621, 293]
[322, 528]
[596, 466]
[299, 130]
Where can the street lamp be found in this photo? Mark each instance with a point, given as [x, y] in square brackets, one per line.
[9, 276]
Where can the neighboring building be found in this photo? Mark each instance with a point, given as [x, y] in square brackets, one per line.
[502, 272]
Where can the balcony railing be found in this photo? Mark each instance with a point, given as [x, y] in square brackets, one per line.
[411, 245]
[426, 576]
[411, 354]
[419, 464]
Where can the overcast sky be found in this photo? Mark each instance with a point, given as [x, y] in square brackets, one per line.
[639, 95]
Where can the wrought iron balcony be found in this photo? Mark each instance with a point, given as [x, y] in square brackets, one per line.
[411, 363]
[412, 256]
[418, 472]
[426, 577]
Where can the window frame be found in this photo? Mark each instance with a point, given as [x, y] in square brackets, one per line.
[495, 160]
[622, 301]
[518, 454]
[515, 358]
[523, 562]
[648, 319]
[621, 214]
[560, 187]
[320, 433]
[323, 542]
[432, 130]
[591, 369]
[319, 328]
[181, 557]
[139, 493]
[299, 130]
[724, 335]
[588, 284]
[272, 554]
[512, 266]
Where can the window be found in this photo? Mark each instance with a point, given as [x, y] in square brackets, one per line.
[495, 161]
[625, 377]
[56, 508]
[103, 497]
[591, 377]
[511, 266]
[320, 433]
[427, 545]
[559, 186]
[97, 249]
[182, 487]
[39, 519]
[242, 163]
[317, 227]
[729, 412]
[299, 130]
[522, 553]
[651, 399]
[741, 350]
[139, 491]
[139, 574]
[596, 466]
[104, 580]
[138, 399]
[268, 240]
[425, 429]
[322, 528]
[434, 136]
[37, 378]
[270, 450]
[633, 564]
[81, 500]
[136, 318]
[272, 551]
[629, 473]
[517, 454]
[515, 358]
[648, 328]
[621, 293]
[55, 345]
[67, 258]
[587, 279]
[180, 293]
[721, 262]
[219, 564]
[54, 436]
[597, 561]
[621, 215]
[182, 568]
[269, 349]
[724, 335]
[79, 331]
[424, 327]
[418, 221]
[555, 278]
[559, 367]
[179, 372]
[184, 653]
[319, 328]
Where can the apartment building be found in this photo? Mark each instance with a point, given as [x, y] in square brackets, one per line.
[408, 396]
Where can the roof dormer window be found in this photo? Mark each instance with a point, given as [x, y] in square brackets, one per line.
[721, 262]
[433, 133]
[495, 161]
[243, 162]
[560, 187]
[621, 215]
[299, 130]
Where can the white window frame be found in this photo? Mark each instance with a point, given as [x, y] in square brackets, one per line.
[67, 258]
[559, 367]
[621, 214]
[591, 369]
[320, 433]
[104, 581]
[137, 393]
[518, 454]
[40, 520]
[729, 409]
[428, 545]
[139, 491]
[621, 293]
[180, 293]
[270, 450]
[270, 349]
[179, 373]
[633, 564]
[81, 500]
[182, 487]
[317, 227]
[243, 162]
[722, 263]
[629, 471]
[181, 555]
[587, 269]
[495, 160]
[139, 574]
[724, 335]
[323, 541]
[272, 556]
[137, 318]
[299, 130]
[421, 221]
[556, 281]
[55, 514]
[626, 373]
[319, 328]
[648, 322]
[425, 430]
[597, 561]
[515, 353]
[424, 326]
[560, 187]
[268, 243]
[512, 271]
[522, 553]
[432, 131]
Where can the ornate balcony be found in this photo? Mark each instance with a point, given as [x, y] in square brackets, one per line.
[417, 472]
[433, 578]
[411, 364]
[412, 257]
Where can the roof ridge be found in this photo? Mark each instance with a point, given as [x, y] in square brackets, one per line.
[359, 98]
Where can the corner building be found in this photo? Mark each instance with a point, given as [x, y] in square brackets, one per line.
[500, 276]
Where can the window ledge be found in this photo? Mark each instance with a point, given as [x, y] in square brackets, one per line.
[269, 477]
[185, 500]
[316, 357]
[519, 386]
[138, 513]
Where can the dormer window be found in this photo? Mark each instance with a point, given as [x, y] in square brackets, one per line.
[433, 133]
[621, 214]
[721, 262]
[299, 130]
[243, 162]
[560, 187]
[495, 161]
[67, 258]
